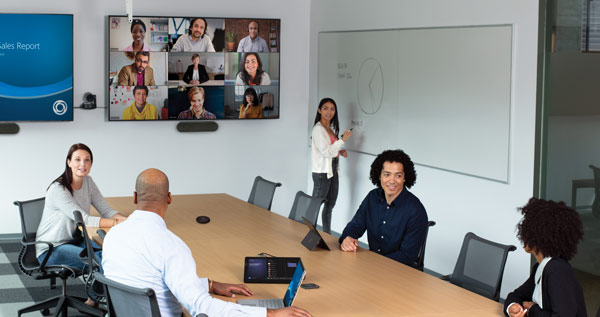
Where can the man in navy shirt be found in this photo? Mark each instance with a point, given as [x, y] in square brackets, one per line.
[394, 218]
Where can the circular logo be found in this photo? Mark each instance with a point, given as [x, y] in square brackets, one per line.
[60, 107]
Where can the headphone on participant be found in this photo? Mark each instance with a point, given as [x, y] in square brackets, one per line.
[192, 24]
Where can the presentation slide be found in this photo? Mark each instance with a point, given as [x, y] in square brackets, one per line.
[36, 58]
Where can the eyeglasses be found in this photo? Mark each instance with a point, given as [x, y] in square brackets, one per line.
[138, 60]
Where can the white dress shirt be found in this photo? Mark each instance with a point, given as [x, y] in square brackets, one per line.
[142, 252]
[323, 151]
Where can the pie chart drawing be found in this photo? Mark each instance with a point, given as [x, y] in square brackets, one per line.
[370, 86]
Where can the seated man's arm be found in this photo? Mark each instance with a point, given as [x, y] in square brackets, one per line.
[179, 274]
[355, 228]
[416, 229]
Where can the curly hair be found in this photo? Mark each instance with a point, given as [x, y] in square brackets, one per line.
[410, 175]
[550, 228]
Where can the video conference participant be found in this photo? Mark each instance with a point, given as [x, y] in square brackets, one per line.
[196, 96]
[138, 33]
[251, 71]
[549, 231]
[253, 42]
[73, 190]
[394, 218]
[196, 40]
[142, 252]
[195, 73]
[140, 109]
[251, 108]
[326, 149]
[138, 73]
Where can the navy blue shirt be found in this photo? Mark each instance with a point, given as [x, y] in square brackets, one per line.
[396, 231]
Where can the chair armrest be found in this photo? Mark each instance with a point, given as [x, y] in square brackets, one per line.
[50, 248]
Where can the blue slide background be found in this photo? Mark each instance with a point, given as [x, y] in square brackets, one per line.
[32, 81]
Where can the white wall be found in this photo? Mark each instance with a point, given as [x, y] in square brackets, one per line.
[223, 161]
[457, 203]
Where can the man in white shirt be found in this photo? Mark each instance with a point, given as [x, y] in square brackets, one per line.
[142, 252]
[196, 40]
[253, 42]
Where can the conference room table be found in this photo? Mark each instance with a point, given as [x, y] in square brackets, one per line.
[360, 283]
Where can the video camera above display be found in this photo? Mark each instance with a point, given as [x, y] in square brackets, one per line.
[193, 68]
[36, 59]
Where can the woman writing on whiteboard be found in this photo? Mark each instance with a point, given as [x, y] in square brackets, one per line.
[326, 148]
[72, 190]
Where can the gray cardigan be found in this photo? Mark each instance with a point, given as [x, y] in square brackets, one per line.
[58, 224]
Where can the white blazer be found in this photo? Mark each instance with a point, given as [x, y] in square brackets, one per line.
[323, 151]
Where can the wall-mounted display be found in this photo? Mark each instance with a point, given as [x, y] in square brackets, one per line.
[193, 68]
[36, 63]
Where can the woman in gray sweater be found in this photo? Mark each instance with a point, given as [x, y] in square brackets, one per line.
[73, 190]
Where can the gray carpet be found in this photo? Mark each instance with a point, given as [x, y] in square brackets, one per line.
[18, 290]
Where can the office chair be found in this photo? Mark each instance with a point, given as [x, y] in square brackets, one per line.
[306, 206]
[596, 203]
[420, 261]
[262, 192]
[93, 263]
[31, 214]
[124, 300]
[480, 266]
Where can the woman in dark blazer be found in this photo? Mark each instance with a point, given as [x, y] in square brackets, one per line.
[550, 231]
[201, 75]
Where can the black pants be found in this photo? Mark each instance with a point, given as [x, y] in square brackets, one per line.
[328, 189]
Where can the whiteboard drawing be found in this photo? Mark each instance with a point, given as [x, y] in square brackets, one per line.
[370, 86]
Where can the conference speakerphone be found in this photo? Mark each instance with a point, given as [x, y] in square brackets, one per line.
[269, 269]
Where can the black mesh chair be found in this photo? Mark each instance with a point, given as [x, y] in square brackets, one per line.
[31, 215]
[124, 300]
[93, 263]
[420, 261]
[306, 206]
[480, 266]
[262, 192]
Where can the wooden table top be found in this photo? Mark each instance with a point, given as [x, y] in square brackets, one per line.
[351, 284]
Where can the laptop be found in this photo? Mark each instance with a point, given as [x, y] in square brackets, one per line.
[288, 298]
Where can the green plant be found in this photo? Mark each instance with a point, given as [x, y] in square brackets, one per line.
[229, 36]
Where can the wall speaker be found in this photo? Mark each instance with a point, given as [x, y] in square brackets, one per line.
[9, 128]
[197, 126]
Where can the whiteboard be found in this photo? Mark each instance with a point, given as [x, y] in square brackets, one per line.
[440, 94]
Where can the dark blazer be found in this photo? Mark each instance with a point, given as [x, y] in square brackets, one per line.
[202, 74]
[561, 293]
